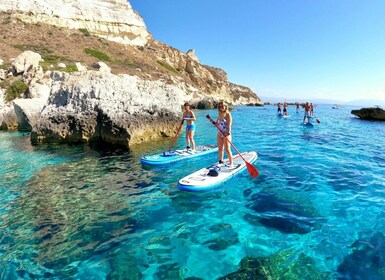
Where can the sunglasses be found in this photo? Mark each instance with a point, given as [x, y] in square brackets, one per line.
[221, 106]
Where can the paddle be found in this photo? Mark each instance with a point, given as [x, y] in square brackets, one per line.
[173, 141]
[250, 168]
[317, 120]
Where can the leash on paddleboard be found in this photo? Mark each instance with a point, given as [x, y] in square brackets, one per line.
[250, 168]
[173, 141]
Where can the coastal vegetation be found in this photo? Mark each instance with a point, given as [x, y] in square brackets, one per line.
[97, 54]
[167, 66]
[15, 90]
[85, 31]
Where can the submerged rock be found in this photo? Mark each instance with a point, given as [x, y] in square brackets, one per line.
[283, 214]
[372, 114]
[367, 260]
[282, 265]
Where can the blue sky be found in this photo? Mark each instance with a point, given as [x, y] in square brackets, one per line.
[307, 49]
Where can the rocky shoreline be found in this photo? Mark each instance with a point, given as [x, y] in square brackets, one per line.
[370, 114]
[92, 105]
[68, 77]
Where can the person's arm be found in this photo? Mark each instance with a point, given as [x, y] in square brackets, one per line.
[192, 116]
[230, 122]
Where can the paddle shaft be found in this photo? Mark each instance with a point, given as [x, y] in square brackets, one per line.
[173, 141]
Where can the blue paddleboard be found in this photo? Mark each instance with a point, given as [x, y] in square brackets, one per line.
[209, 178]
[178, 155]
[307, 124]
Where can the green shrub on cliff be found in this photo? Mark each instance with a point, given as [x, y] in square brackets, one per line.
[167, 66]
[71, 68]
[35, 48]
[85, 31]
[98, 54]
[15, 90]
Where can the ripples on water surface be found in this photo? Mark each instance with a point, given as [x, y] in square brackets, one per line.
[315, 212]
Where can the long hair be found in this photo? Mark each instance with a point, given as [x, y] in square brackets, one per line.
[221, 102]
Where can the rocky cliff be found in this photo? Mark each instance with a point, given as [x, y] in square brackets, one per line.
[72, 86]
[114, 20]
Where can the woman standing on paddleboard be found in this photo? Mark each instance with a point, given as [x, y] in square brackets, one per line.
[189, 117]
[224, 122]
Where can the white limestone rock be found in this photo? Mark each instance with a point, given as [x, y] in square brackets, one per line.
[118, 109]
[8, 119]
[25, 61]
[192, 55]
[28, 112]
[114, 20]
[2, 100]
[80, 67]
[39, 90]
[3, 74]
[102, 67]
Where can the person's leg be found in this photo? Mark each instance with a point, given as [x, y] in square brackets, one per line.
[220, 148]
[228, 150]
[188, 138]
[192, 140]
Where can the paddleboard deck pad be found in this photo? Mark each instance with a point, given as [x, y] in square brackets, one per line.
[168, 157]
[209, 178]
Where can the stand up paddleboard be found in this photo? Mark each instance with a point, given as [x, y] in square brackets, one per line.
[178, 155]
[211, 177]
[307, 124]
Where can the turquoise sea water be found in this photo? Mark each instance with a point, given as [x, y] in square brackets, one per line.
[316, 211]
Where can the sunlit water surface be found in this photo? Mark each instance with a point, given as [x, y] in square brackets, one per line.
[316, 211]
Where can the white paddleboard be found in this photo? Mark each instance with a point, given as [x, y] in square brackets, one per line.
[202, 181]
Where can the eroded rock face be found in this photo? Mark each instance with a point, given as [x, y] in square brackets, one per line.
[374, 114]
[209, 82]
[118, 109]
[114, 20]
[28, 112]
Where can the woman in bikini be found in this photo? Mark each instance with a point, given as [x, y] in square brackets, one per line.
[189, 117]
[224, 123]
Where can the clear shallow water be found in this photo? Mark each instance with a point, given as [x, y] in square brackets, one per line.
[317, 210]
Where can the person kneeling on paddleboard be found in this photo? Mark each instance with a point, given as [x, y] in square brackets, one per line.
[224, 122]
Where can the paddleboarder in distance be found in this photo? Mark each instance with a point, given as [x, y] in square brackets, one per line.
[224, 122]
[285, 108]
[189, 117]
[307, 113]
[311, 109]
[279, 112]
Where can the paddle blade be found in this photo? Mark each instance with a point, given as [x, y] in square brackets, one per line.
[317, 120]
[252, 170]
